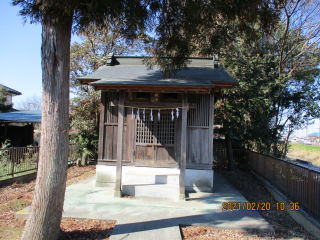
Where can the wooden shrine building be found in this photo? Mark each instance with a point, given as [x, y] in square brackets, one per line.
[156, 134]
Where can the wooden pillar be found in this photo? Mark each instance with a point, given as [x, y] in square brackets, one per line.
[211, 122]
[117, 192]
[101, 125]
[183, 155]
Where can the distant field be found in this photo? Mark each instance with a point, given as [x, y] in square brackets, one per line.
[308, 148]
[305, 152]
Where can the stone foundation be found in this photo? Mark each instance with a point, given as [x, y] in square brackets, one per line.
[196, 180]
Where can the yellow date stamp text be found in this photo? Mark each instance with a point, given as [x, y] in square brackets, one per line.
[256, 206]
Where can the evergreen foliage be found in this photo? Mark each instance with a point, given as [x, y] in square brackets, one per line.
[179, 29]
[4, 106]
[278, 91]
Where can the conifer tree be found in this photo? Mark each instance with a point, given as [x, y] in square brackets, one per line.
[177, 23]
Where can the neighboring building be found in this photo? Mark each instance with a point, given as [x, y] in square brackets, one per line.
[18, 127]
[10, 93]
[156, 134]
[314, 138]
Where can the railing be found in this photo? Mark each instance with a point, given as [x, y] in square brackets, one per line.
[239, 156]
[299, 182]
[17, 161]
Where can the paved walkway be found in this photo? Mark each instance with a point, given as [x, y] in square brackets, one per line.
[151, 218]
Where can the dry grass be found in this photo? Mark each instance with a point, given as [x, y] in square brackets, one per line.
[18, 195]
[312, 157]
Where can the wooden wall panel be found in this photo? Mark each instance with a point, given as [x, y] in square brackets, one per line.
[111, 112]
[165, 154]
[108, 144]
[171, 155]
[197, 146]
[130, 137]
[199, 116]
[162, 154]
[193, 145]
[125, 144]
[198, 129]
[114, 141]
[204, 151]
[144, 153]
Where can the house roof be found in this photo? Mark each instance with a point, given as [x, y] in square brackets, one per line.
[21, 116]
[10, 90]
[130, 73]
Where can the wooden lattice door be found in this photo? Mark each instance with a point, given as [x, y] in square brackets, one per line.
[155, 140]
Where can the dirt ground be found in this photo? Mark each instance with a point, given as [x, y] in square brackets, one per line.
[17, 196]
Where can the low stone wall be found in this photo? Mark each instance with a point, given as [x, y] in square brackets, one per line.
[23, 178]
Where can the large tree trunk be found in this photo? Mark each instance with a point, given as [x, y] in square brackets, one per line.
[231, 166]
[46, 211]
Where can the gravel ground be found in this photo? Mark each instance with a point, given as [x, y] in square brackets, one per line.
[284, 225]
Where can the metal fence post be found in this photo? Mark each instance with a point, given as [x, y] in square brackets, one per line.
[309, 192]
[13, 158]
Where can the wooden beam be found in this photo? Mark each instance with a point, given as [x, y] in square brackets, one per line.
[183, 156]
[211, 123]
[154, 89]
[101, 126]
[117, 192]
[152, 104]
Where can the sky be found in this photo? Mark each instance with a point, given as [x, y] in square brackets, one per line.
[20, 59]
[20, 53]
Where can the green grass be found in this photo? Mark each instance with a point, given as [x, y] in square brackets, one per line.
[303, 147]
[305, 152]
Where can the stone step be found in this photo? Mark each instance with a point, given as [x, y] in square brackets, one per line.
[152, 178]
[151, 190]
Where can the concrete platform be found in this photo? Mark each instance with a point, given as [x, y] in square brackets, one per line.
[155, 218]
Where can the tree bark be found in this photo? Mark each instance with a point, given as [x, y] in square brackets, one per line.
[231, 166]
[46, 211]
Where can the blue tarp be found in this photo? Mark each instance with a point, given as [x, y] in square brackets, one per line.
[21, 116]
[313, 134]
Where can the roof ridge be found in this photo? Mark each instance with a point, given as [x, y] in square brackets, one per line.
[11, 90]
